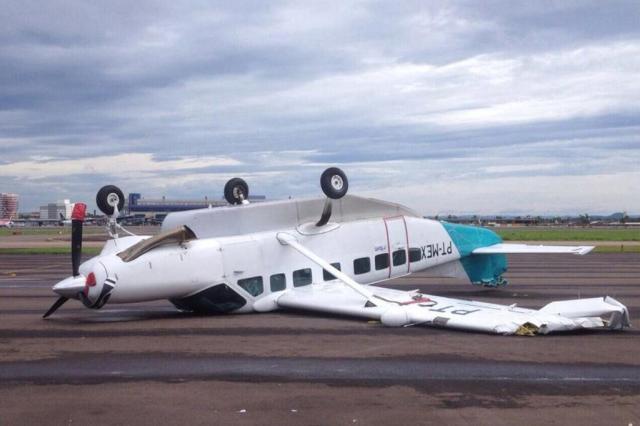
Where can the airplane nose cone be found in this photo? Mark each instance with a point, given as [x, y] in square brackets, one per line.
[70, 287]
[97, 286]
[93, 286]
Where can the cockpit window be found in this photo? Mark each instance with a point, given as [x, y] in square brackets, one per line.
[252, 285]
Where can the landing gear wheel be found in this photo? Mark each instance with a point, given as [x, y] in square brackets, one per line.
[334, 183]
[236, 191]
[108, 197]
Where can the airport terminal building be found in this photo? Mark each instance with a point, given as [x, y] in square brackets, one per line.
[56, 211]
[158, 208]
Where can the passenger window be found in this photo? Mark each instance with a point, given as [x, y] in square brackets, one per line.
[361, 265]
[302, 277]
[415, 255]
[252, 285]
[328, 276]
[399, 257]
[382, 261]
[278, 282]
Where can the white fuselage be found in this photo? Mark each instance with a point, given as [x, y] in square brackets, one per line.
[258, 258]
[257, 266]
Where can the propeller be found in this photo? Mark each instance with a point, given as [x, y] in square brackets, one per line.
[77, 218]
[61, 301]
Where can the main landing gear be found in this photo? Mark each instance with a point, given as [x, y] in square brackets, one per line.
[236, 191]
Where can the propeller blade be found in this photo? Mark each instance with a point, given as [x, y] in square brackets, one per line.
[77, 217]
[61, 301]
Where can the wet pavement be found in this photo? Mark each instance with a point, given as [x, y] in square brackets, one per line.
[148, 363]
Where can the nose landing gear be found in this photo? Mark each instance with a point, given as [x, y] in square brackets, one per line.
[110, 200]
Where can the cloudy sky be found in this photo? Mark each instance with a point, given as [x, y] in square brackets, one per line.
[448, 107]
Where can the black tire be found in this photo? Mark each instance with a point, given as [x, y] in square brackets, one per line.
[106, 199]
[234, 188]
[334, 183]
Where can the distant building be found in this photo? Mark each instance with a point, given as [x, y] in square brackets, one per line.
[161, 206]
[8, 206]
[54, 211]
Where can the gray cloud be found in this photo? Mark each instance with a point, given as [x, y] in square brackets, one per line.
[393, 92]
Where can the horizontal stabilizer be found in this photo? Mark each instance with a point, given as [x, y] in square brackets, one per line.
[526, 248]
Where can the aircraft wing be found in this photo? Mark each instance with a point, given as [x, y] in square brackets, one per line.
[411, 308]
[397, 308]
[526, 248]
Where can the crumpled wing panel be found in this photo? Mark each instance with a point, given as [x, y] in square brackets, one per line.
[594, 307]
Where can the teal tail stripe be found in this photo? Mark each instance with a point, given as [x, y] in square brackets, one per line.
[485, 269]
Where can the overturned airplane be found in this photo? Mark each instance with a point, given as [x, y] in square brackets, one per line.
[318, 254]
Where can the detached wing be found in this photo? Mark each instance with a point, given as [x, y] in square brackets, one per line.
[401, 308]
[526, 248]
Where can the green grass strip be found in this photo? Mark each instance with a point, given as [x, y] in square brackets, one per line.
[48, 250]
[34, 231]
[617, 249]
[568, 234]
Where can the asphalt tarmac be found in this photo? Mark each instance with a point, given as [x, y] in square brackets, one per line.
[149, 364]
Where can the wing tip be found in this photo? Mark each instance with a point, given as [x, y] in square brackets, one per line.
[582, 250]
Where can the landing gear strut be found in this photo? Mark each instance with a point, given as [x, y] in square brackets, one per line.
[335, 185]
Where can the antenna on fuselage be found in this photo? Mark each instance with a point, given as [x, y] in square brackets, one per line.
[335, 185]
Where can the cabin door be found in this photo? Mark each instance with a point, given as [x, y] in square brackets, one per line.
[396, 229]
